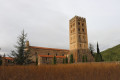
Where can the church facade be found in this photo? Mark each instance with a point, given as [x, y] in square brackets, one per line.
[78, 46]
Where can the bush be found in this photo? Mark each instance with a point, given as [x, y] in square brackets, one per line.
[71, 58]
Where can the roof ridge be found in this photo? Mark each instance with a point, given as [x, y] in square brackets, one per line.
[48, 48]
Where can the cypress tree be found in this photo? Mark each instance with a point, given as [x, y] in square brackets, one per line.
[36, 60]
[71, 58]
[98, 57]
[54, 60]
[66, 60]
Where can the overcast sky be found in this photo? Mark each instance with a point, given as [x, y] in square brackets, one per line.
[47, 22]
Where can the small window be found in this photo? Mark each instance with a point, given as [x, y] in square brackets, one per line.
[82, 24]
[56, 54]
[62, 54]
[83, 30]
[78, 23]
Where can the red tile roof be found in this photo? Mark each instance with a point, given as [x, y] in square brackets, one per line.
[9, 58]
[48, 48]
[51, 56]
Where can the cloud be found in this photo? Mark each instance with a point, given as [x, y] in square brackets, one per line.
[47, 22]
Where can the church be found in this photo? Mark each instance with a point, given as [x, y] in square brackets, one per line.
[78, 41]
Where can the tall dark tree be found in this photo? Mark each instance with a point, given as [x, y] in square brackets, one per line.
[36, 60]
[98, 57]
[71, 58]
[21, 55]
[66, 60]
[54, 60]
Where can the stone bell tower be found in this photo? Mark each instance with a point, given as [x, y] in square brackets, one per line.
[78, 39]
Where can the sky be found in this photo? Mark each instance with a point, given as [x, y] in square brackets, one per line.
[47, 22]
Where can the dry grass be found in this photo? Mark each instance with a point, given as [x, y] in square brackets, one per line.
[82, 71]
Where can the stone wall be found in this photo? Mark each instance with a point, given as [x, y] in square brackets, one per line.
[35, 51]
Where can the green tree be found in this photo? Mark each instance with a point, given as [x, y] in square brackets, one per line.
[21, 55]
[83, 58]
[98, 57]
[71, 58]
[54, 60]
[66, 60]
[36, 60]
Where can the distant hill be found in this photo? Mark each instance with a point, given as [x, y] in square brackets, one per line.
[112, 54]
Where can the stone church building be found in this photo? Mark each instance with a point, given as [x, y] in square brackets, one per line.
[78, 45]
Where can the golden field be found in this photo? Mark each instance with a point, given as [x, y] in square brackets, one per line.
[81, 71]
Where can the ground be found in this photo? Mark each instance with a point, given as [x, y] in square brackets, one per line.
[81, 71]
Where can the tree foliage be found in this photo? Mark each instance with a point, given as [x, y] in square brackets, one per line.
[71, 58]
[98, 57]
[66, 60]
[36, 60]
[20, 54]
[54, 60]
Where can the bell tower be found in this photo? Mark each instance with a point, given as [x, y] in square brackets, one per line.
[78, 39]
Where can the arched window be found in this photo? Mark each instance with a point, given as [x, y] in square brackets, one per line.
[83, 30]
[78, 23]
[82, 24]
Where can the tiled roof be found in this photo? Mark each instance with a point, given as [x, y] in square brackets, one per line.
[48, 48]
[9, 58]
[51, 56]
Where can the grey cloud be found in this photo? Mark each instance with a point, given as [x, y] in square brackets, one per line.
[47, 22]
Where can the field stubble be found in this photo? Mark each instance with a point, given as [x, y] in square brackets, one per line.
[81, 71]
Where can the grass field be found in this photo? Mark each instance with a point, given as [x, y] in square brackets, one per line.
[82, 71]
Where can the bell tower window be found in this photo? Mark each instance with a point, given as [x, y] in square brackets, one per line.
[83, 30]
[82, 24]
